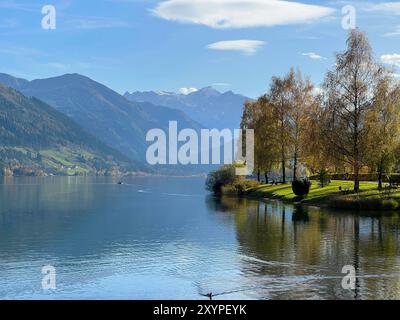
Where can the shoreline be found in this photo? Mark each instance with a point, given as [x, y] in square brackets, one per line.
[368, 199]
[122, 175]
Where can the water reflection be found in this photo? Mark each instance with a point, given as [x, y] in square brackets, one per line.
[298, 252]
[300, 214]
[164, 238]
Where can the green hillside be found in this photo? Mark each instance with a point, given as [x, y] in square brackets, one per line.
[37, 139]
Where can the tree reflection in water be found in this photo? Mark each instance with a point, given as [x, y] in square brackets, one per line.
[298, 252]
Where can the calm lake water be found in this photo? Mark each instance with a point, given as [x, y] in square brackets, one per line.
[165, 238]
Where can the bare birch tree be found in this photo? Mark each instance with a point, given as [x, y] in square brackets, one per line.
[349, 95]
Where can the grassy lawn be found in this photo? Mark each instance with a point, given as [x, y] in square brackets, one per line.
[317, 194]
[57, 156]
[66, 158]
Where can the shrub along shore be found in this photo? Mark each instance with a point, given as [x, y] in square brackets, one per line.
[333, 193]
[337, 194]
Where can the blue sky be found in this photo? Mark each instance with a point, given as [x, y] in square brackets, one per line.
[167, 45]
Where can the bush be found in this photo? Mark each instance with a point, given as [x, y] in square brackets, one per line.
[229, 189]
[301, 188]
[239, 187]
[224, 176]
[242, 186]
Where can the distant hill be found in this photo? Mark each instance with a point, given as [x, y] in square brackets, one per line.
[36, 138]
[107, 115]
[207, 106]
[12, 82]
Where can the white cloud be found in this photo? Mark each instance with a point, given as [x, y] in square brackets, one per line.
[313, 56]
[385, 7]
[248, 47]
[393, 59]
[225, 14]
[186, 91]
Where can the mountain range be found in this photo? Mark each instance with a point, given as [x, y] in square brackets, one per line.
[61, 119]
[207, 106]
[104, 113]
[37, 138]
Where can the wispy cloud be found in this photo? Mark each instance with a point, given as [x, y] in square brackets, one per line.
[313, 56]
[20, 51]
[248, 47]
[77, 65]
[385, 7]
[93, 23]
[9, 23]
[394, 33]
[13, 5]
[392, 59]
[56, 65]
[221, 84]
[225, 14]
[310, 38]
[31, 6]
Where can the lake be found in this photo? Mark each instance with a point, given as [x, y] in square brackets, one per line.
[166, 238]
